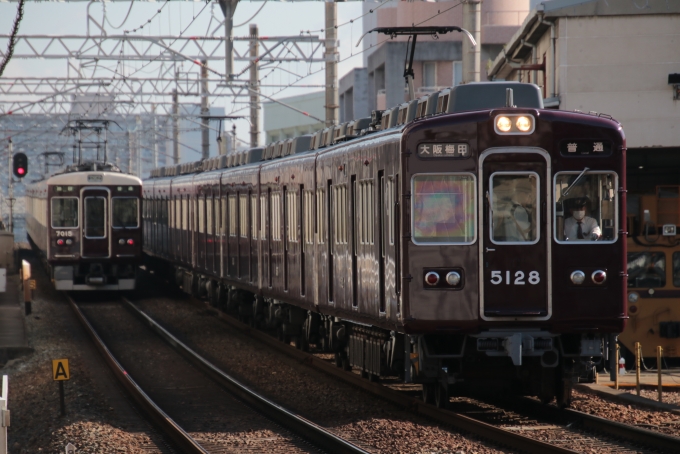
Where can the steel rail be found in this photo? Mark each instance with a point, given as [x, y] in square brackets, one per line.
[169, 427]
[291, 421]
[461, 422]
[646, 437]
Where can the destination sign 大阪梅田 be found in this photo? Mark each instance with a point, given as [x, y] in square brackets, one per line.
[443, 150]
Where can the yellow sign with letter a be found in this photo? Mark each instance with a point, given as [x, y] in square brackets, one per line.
[60, 369]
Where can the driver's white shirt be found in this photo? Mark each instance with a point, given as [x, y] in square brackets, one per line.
[588, 225]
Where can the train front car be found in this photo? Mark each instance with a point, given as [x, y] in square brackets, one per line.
[513, 255]
[94, 235]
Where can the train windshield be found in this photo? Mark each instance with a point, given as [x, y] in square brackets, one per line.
[64, 212]
[444, 209]
[95, 217]
[585, 207]
[125, 212]
[647, 269]
[514, 208]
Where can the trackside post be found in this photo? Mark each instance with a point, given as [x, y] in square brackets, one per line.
[4, 416]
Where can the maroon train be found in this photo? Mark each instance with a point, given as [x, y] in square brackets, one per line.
[437, 241]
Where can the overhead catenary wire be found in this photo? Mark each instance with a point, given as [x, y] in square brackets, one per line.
[13, 37]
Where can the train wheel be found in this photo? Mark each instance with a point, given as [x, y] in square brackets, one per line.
[441, 395]
[428, 393]
[301, 343]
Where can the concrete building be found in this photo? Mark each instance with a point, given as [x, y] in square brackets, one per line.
[604, 56]
[280, 122]
[438, 62]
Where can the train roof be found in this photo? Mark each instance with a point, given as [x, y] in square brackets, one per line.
[93, 178]
[474, 96]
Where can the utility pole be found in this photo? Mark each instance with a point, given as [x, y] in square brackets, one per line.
[155, 136]
[229, 8]
[138, 145]
[331, 56]
[205, 111]
[175, 125]
[10, 188]
[472, 22]
[254, 85]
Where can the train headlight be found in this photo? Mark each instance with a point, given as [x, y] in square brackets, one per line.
[599, 277]
[453, 278]
[121, 241]
[503, 124]
[577, 277]
[633, 297]
[432, 278]
[523, 123]
[515, 124]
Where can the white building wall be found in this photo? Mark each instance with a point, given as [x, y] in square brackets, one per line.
[619, 65]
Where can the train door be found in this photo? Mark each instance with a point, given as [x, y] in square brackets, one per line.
[515, 241]
[96, 240]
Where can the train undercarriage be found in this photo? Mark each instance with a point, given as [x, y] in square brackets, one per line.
[522, 362]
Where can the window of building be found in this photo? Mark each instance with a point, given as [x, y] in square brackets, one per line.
[429, 74]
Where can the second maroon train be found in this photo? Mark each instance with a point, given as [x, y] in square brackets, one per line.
[469, 238]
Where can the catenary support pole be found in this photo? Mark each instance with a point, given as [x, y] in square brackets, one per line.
[254, 85]
[229, 8]
[205, 112]
[175, 126]
[472, 20]
[331, 56]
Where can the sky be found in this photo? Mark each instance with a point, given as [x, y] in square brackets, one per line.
[275, 19]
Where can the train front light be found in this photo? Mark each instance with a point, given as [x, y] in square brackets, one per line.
[577, 277]
[633, 297]
[523, 123]
[121, 241]
[503, 124]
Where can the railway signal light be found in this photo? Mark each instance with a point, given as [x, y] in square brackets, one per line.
[20, 165]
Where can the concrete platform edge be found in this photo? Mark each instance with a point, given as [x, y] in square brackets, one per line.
[623, 397]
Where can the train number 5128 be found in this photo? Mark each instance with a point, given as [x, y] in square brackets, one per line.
[518, 278]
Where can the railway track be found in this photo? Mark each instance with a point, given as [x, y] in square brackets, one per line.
[562, 427]
[200, 408]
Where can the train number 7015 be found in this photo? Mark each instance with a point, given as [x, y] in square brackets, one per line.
[497, 278]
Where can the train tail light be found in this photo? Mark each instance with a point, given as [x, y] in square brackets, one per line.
[432, 278]
[60, 242]
[131, 242]
[577, 277]
[599, 277]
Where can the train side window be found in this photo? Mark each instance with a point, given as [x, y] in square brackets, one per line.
[253, 216]
[308, 211]
[201, 215]
[320, 213]
[95, 217]
[389, 209]
[263, 217]
[232, 215]
[292, 216]
[648, 269]
[209, 216]
[125, 212]
[276, 216]
[65, 212]
[586, 207]
[243, 215]
[185, 214]
[444, 209]
[224, 215]
[514, 207]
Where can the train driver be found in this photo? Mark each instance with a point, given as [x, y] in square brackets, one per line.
[580, 227]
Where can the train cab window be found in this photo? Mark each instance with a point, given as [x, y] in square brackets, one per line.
[65, 212]
[444, 209]
[95, 217]
[125, 212]
[648, 269]
[514, 208]
[586, 209]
